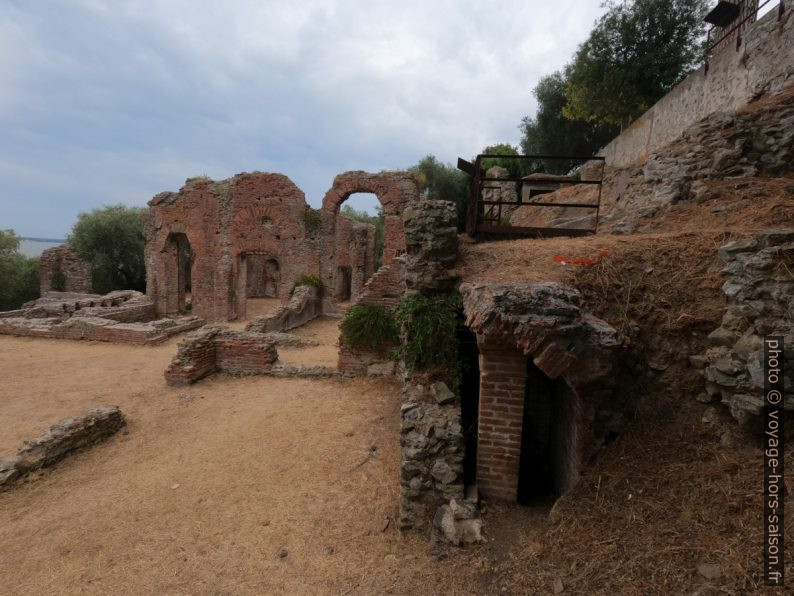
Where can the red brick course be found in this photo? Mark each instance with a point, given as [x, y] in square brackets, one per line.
[219, 349]
[502, 382]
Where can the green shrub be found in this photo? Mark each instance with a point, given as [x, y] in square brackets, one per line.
[19, 275]
[370, 327]
[429, 325]
[307, 280]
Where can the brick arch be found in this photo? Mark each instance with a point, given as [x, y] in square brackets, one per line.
[393, 189]
[546, 323]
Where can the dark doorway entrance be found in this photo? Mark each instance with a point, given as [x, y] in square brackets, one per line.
[469, 358]
[536, 473]
[344, 283]
[178, 273]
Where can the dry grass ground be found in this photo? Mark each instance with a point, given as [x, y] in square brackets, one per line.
[208, 483]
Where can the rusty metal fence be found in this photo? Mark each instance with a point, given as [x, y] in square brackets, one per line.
[493, 200]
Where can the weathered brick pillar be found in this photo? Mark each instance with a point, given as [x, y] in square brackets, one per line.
[502, 382]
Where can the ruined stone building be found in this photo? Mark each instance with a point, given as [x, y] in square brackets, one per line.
[62, 270]
[254, 235]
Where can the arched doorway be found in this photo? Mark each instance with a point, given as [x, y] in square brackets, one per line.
[178, 260]
[392, 191]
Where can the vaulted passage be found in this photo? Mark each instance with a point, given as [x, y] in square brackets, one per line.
[547, 464]
[527, 446]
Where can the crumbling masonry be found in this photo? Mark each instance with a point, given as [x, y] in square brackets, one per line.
[254, 235]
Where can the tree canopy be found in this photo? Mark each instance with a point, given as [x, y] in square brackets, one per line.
[551, 133]
[445, 182]
[635, 54]
[111, 240]
[19, 275]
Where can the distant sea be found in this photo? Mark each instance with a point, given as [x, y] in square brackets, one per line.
[33, 247]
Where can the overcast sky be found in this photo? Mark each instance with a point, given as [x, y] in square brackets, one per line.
[108, 101]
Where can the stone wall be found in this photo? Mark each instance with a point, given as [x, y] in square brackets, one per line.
[62, 270]
[760, 291]
[214, 349]
[431, 440]
[763, 64]
[62, 439]
[431, 443]
[431, 236]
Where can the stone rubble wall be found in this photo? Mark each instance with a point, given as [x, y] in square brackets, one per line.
[61, 440]
[756, 141]
[431, 444]
[63, 261]
[431, 435]
[431, 243]
[764, 64]
[214, 348]
[760, 291]
[124, 316]
[304, 305]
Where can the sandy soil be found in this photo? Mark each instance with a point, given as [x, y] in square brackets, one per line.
[207, 484]
[324, 330]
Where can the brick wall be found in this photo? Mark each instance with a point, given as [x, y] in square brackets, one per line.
[232, 225]
[62, 261]
[213, 348]
[124, 316]
[502, 383]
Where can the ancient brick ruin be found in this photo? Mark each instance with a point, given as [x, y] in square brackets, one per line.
[254, 235]
[123, 316]
[218, 349]
[62, 270]
[59, 441]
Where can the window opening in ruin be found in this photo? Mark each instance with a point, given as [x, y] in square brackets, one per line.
[469, 358]
[344, 283]
[536, 476]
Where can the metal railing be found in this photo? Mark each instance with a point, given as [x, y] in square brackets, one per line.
[487, 213]
[737, 29]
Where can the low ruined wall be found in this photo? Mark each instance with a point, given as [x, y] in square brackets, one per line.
[62, 439]
[305, 305]
[119, 317]
[763, 64]
[60, 265]
[218, 349]
[759, 287]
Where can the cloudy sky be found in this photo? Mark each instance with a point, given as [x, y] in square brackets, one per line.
[108, 101]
